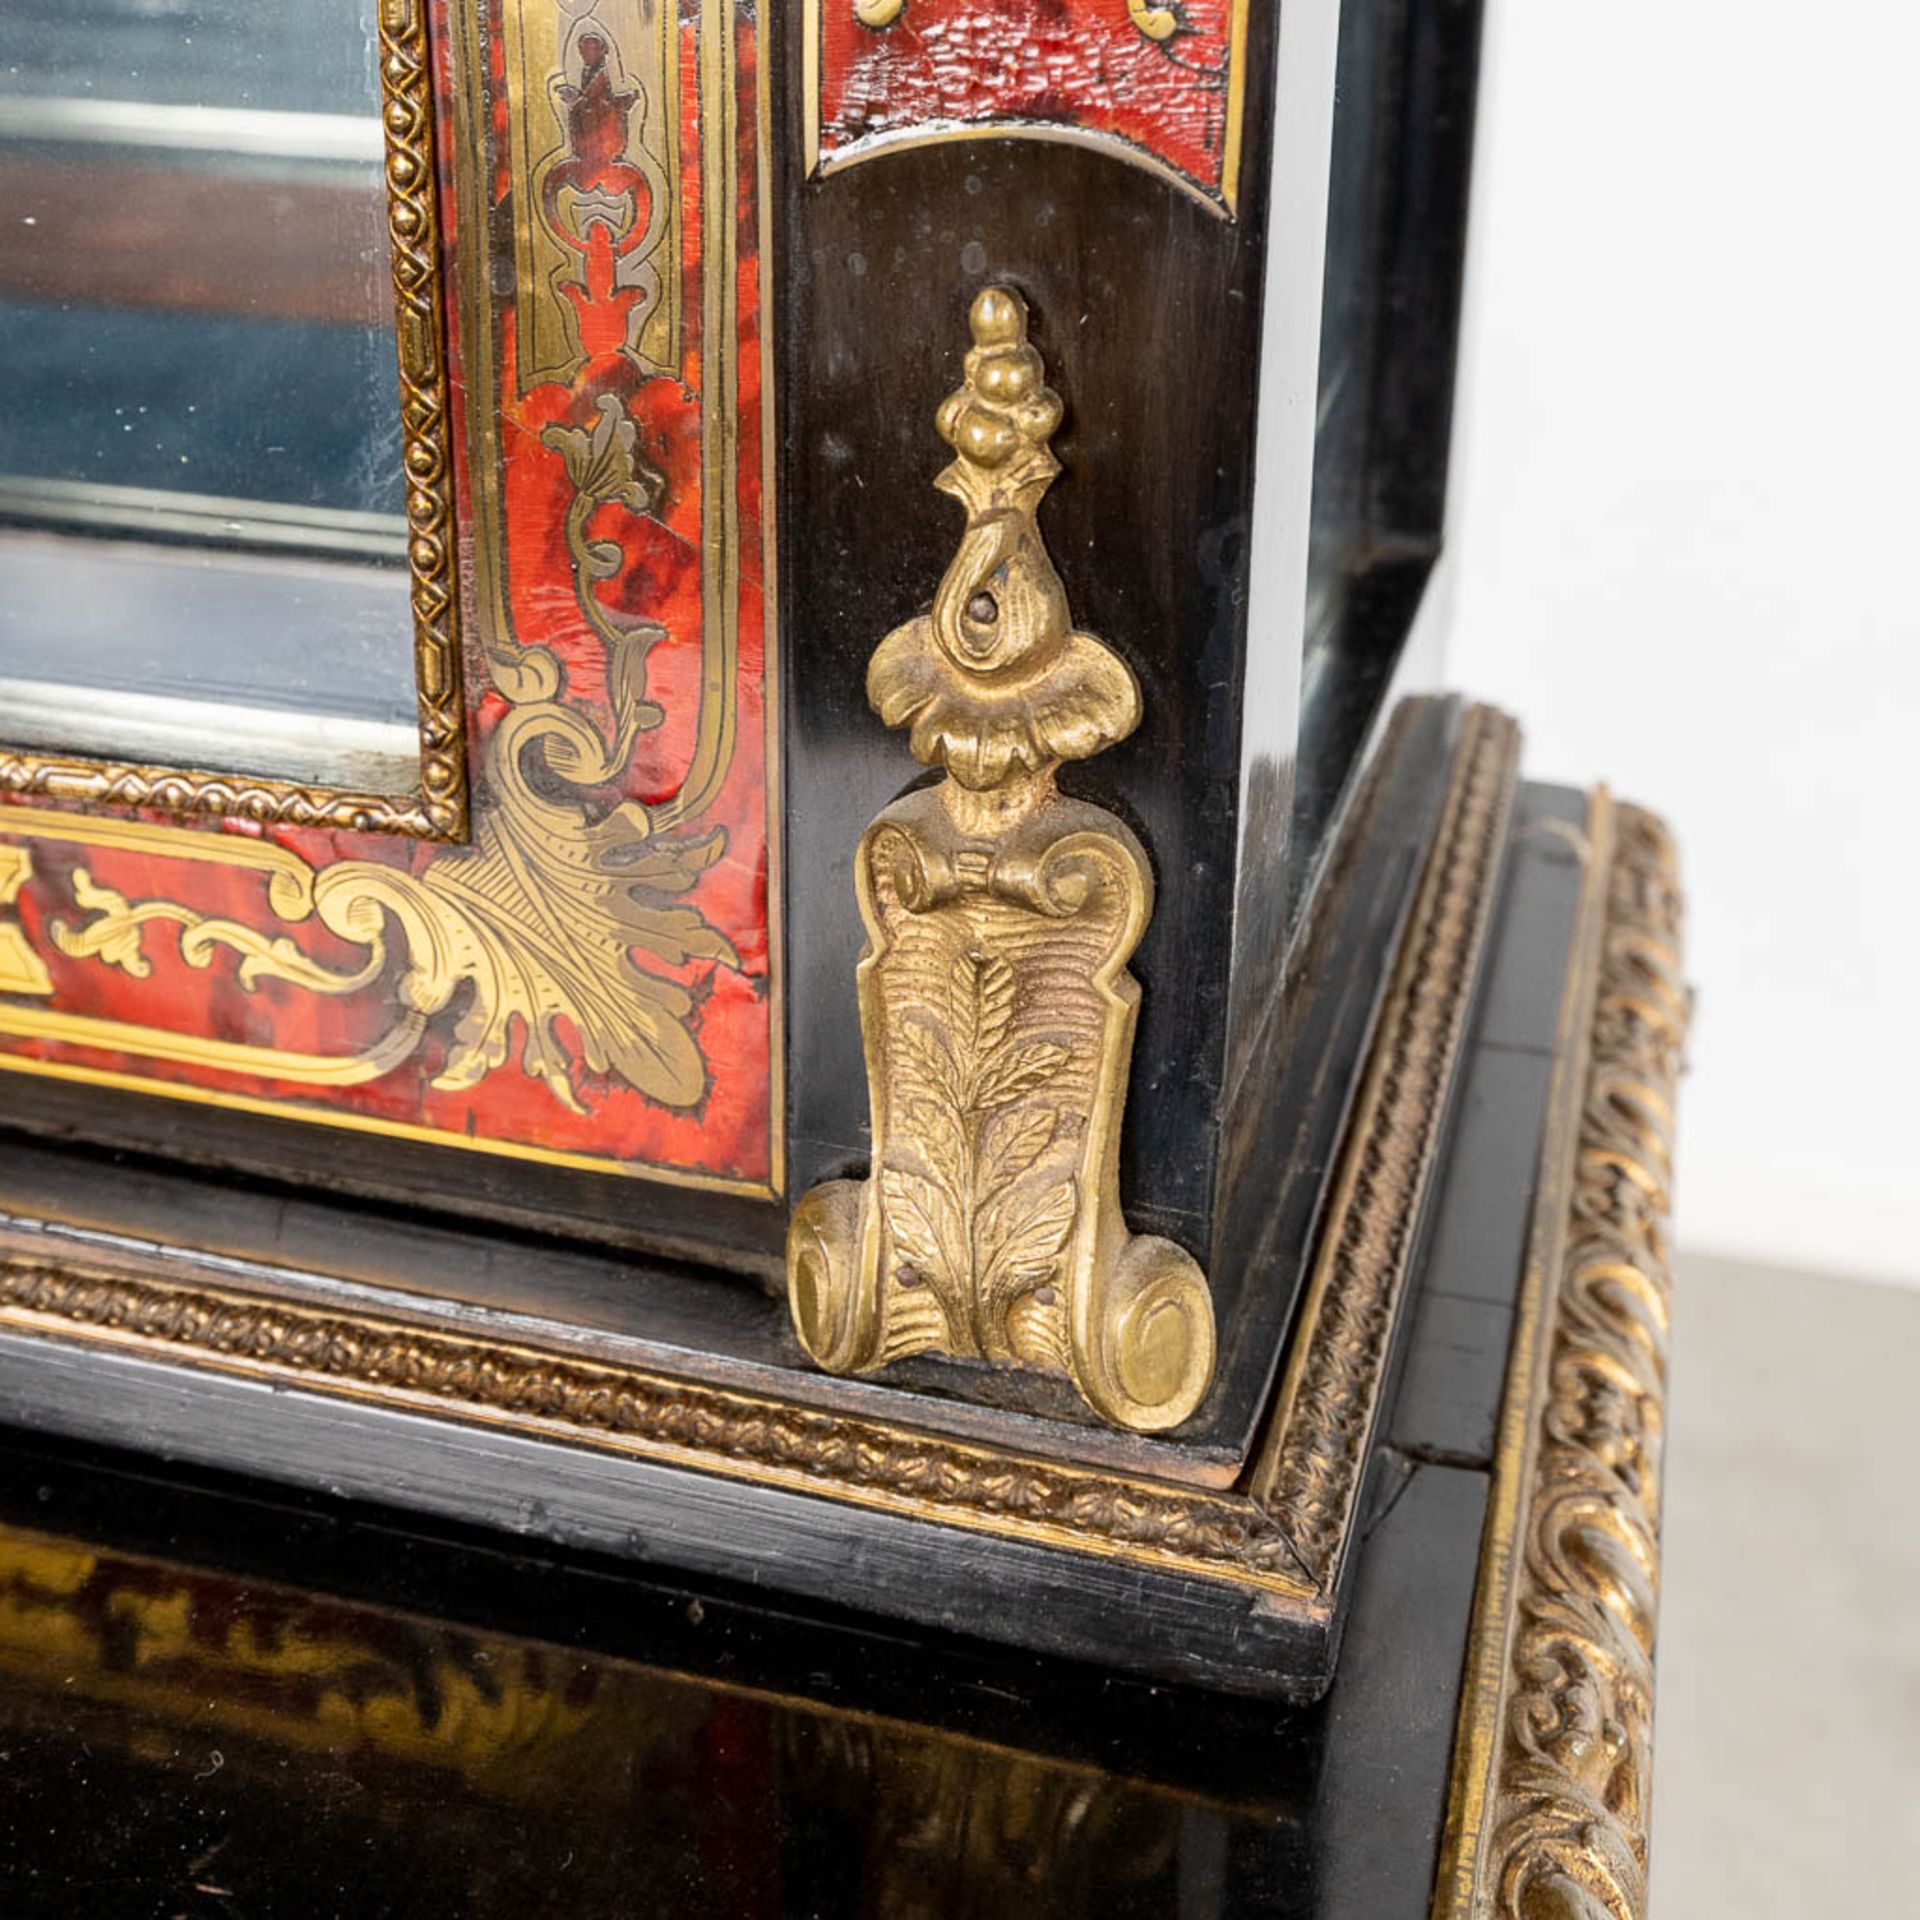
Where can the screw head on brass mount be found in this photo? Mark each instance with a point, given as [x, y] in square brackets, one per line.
[996, 1010]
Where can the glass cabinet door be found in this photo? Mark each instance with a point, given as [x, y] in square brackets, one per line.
[203, 547]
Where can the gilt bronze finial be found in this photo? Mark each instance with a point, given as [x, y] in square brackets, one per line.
[995, 1005]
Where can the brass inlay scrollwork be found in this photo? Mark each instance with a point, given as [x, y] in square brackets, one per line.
[540, 917]
[1553, 1761]
[21, 969]
[1157, 23]
[997, 1012]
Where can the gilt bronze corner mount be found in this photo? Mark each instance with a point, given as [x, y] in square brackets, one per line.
[997, 1013]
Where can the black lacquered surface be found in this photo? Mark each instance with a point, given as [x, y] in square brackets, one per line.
[212, 1704]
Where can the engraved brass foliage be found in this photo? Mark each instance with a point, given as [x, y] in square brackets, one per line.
[21, 969]
[540, 916]
[997, 1012]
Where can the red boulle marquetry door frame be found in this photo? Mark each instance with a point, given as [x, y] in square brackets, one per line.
[587, 972]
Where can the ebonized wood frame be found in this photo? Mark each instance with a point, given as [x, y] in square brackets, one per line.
[1238, 1588]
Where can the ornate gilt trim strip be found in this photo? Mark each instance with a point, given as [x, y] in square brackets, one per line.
[689, 1423]
[1311, 1466]
[437, 808]
[1552, 1764]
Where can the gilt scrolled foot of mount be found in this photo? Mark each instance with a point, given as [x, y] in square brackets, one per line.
[996, 1009]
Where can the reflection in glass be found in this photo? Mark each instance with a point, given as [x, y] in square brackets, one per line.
[202, 555]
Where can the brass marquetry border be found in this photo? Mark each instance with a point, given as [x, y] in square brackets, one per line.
[1313, 1460]
[1551, 1785]
[436, 808]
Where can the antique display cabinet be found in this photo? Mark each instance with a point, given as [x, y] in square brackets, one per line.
[758, 994]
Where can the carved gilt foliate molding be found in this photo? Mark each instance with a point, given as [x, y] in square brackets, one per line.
[1552, 1768]
[866, 1462]
[997, 1013]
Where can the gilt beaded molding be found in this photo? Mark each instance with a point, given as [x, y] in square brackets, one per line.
[630, 1410]
[1313, 1466]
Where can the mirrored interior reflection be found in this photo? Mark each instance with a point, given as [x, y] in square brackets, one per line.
[202, 549]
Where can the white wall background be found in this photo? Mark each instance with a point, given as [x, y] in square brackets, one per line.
[1687, 524]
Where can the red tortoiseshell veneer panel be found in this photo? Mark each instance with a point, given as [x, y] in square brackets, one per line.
[1162, 82]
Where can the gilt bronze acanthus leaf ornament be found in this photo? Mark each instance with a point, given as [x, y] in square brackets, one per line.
[997, 1012]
